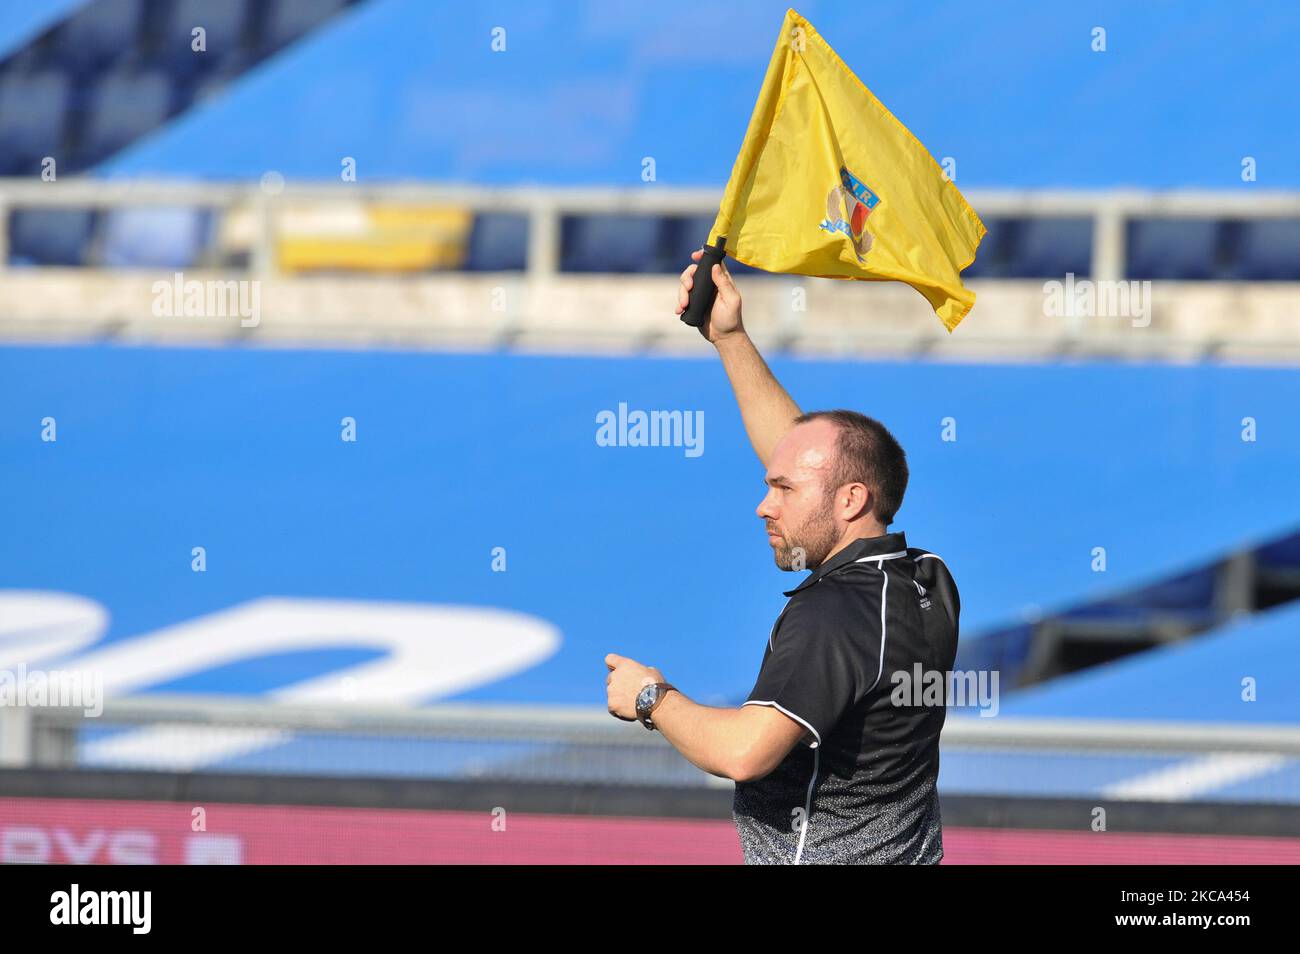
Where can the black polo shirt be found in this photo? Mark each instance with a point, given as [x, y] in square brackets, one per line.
[861, 788]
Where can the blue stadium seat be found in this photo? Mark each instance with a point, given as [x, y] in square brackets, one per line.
[155, 237]
[1268, 250]
[612, 243]
[22, 27]
[209, 86]
[1190, 595]
[993, 257]
[224, 26]
[290, 19]
[1174, 249]
[50, 236]
[126, 106]
[999, 650]
[1050, 247]
[1280, 554]
[498, 242]
[97, 35]
[688, 233]
[31, 120]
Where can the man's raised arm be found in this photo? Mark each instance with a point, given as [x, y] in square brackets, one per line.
[768, 411]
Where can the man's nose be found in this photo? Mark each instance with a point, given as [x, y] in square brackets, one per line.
[766, 509]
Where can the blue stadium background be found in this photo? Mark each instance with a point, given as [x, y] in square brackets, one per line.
[642, 551]
[645, 551]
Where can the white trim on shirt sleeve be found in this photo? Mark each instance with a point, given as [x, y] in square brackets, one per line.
[802, 722]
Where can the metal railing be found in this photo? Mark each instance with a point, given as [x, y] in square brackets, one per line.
[545, 208]
[552, 744]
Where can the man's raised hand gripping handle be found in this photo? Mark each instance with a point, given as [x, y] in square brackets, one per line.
[705, 291]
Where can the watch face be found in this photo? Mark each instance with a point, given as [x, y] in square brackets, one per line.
[646, 697]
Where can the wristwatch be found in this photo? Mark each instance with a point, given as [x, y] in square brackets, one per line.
[647, 699]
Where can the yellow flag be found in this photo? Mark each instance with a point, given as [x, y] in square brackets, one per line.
[829, 183]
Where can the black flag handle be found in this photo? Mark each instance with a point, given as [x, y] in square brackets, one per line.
[704, 291]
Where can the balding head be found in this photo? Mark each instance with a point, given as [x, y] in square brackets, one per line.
[834, 477]
[866, 453]
[808, 449]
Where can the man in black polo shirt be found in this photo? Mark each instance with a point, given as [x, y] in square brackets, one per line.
[833, 761]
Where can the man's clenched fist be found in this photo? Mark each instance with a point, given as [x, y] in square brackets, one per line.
[626, 678]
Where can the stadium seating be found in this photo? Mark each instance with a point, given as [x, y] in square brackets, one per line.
[21, 23]
[1195, 681]
[125, 107]
[498, 242]
[992, 260]
[96, 37]
[50, 236]
[1277, 567]
[1176, 249]
[1184, 602]
[1268, 250]
[614, 243]
[154, 237]
[686, 234]
[1052, 247]
[31, 119]
[1281, 554]
[1065, 504]
[288, 21]
[1033, 248]
[223, 25]
[111, 71]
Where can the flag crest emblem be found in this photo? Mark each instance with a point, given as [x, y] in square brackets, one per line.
[848, 205]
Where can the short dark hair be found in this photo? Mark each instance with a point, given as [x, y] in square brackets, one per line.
[866, 453]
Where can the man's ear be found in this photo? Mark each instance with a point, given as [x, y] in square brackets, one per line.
[858, 500]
